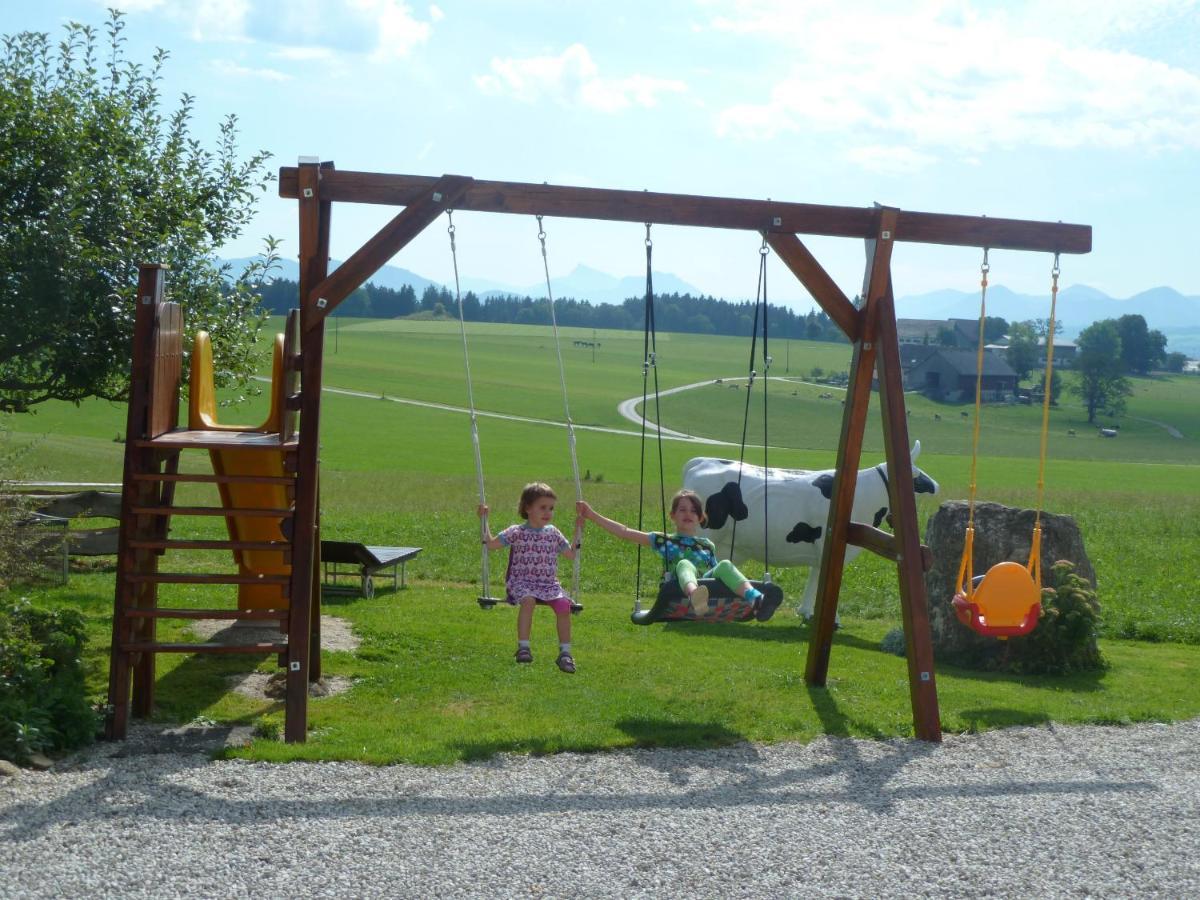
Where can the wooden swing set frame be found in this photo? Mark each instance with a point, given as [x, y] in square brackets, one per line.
[154, 440]
[869, 326]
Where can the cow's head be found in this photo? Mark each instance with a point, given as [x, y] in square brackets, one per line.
[922, 483]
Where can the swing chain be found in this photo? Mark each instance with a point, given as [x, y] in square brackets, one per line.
[984, 268]
[1054, 270]
[541, 235]
[649, 242]
[450, 228]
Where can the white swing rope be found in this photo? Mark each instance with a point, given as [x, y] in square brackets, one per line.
[462, 323]
[577, 542]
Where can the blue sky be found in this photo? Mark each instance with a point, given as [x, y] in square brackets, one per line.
[1082, 111]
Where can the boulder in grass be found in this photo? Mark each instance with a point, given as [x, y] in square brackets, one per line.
[1002, 534]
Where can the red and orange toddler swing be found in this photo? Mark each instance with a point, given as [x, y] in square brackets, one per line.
[1007, 600]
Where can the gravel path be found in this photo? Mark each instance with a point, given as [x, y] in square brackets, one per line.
[1029, 812]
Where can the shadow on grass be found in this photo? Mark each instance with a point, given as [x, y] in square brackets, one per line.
[202, 679]
[834, 722]
[1076, 682]
[988, 718]
[646, 733]
[791, 632]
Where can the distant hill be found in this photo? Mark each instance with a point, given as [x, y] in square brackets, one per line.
[1175, 315]
[389, 276]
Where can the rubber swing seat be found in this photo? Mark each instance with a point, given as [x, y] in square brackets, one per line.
[672, 605]
[1004, 602]
[490, 603]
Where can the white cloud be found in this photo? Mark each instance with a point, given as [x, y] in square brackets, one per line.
[945, 77]
[235, 70]
[399, 32]
[572, 79]
[381, 30]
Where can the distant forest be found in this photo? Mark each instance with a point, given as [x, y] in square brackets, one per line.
[672, 312]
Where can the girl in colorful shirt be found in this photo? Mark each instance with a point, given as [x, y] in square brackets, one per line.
[686, 553]
[534, 548]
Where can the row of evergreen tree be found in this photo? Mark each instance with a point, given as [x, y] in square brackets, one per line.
[672, 312]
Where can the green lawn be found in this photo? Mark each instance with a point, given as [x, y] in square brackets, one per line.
[434, 678]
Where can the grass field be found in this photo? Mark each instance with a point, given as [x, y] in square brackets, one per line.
[434, 680]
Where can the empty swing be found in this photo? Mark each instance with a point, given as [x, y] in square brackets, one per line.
[486, 600]
[1006, 601]
[672, 604]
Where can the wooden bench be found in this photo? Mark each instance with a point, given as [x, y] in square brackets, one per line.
[365, 562]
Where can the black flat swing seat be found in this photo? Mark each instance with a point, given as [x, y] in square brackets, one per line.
[490, 602]
[672, 605]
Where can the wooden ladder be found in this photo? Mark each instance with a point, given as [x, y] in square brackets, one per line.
[153, 446]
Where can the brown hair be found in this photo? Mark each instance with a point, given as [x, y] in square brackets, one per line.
[685, 494]
[533, 492]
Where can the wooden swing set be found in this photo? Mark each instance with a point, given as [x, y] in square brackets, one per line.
[154, 442]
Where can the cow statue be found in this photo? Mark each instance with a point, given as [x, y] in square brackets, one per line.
[797, 505]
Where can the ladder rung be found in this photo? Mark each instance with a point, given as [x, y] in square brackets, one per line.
[152, 647]
[277, 546]
[188, 578]
[160, 613]
[211, 511]
[214, 479]
[201, 439]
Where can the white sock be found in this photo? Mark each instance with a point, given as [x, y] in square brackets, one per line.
[564, 648]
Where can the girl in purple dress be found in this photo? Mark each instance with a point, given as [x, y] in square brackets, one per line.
[534, 548]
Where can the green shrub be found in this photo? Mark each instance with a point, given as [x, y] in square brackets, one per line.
[1065, 638]
[43, 704]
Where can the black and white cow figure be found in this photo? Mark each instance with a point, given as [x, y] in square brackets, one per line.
[797, 504]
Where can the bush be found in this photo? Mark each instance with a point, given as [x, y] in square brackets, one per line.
[1065, 638]
[43, 705]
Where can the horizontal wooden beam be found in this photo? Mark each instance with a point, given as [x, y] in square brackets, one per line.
[882, 544]
[711, 212]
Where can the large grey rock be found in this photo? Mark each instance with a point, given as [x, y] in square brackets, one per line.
[1001, 533]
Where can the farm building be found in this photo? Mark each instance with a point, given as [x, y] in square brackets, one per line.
[949, 375]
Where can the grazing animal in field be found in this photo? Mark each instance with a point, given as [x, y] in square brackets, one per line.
[1071, 432]
[795, 506]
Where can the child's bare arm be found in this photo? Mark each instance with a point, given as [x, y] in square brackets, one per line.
[492, 543]
[624, 532]
[572, 550]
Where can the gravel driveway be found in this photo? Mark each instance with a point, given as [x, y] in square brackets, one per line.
[1028, 812]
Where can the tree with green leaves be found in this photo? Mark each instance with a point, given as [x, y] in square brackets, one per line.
[96, 178]
[1141, 348]
[1101, 384]
[1023, 349]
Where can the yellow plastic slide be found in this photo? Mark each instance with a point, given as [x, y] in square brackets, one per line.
[202, 414]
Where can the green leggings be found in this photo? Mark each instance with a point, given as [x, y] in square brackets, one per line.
[724, 571]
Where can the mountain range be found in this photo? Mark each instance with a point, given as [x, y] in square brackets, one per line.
[1177, 316]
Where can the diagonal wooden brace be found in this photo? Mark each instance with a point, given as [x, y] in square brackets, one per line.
[390, 240]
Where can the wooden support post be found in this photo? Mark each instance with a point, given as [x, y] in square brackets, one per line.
[314, 264]
[134, 493]
[854, 418]
[913, 600]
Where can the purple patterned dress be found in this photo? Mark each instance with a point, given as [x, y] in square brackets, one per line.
[533, 562]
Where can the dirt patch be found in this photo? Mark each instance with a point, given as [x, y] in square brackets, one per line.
[336, 633]
[273, 686]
